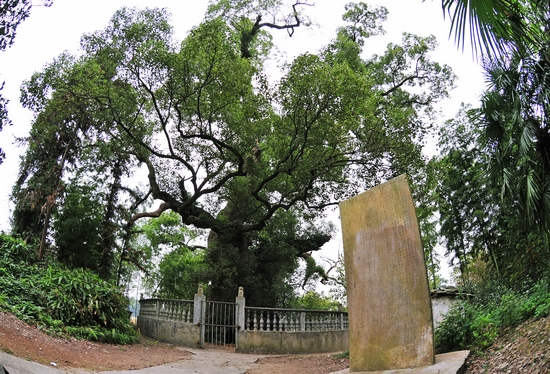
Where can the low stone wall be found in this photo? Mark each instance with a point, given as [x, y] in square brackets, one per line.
[258, 330]
[173, 332]
[283, 342]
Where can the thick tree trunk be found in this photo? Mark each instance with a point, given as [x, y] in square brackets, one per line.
[50, 202]
[108, 232]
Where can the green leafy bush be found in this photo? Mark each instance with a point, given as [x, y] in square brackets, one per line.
[476, 323]
[74, 301]
[455, 331]
[484, 330]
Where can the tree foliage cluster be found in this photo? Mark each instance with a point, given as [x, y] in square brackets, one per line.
[251, 161]
[494, 187]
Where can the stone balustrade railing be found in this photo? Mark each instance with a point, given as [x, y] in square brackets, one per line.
[167, 309]
[273, 319]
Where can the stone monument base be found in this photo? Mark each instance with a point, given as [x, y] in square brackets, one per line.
[445, 363]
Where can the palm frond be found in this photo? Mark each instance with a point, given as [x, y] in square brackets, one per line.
[494, 26]
[528, 135]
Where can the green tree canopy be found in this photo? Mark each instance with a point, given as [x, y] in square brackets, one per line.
[227, 149]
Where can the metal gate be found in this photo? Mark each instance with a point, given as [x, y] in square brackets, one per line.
[218, 324]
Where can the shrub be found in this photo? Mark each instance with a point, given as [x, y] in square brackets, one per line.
[74, 301]
[455, 331]
[476, 323]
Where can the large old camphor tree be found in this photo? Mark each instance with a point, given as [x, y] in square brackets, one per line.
[229, 148]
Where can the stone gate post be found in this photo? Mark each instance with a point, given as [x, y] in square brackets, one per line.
[239, 316]
[197, 307]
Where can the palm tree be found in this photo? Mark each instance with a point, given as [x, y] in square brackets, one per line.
[514, 39]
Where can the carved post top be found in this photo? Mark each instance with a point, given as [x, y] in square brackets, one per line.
[200, 290]
[241, 292]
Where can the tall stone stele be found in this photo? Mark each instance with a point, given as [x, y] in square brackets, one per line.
[390, 316]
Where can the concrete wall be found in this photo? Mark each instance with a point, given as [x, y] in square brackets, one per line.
[440, 307]
[281, 342]
[173, 332]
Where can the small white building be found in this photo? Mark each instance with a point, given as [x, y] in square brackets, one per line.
[442, 301]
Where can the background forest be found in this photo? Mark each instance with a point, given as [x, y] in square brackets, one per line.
[176, 163]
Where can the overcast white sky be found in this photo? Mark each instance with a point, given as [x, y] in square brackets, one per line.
[50, 31]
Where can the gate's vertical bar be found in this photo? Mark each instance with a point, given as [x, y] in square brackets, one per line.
[223, 323]
[236, 327]
[212, 311]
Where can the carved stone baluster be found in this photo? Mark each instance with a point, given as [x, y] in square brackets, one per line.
[262, 322]
[185, 313]
[318, 322]
[255, 321]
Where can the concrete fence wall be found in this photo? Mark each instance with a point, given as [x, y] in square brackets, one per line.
[282, 342]
[178, 333]
[170, 321]
[258, 330]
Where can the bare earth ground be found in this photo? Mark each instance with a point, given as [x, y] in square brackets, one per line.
[28, 342]
[20, 339]
[300, 364]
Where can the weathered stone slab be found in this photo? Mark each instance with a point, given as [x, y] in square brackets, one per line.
[390, 317]
[445, 363]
